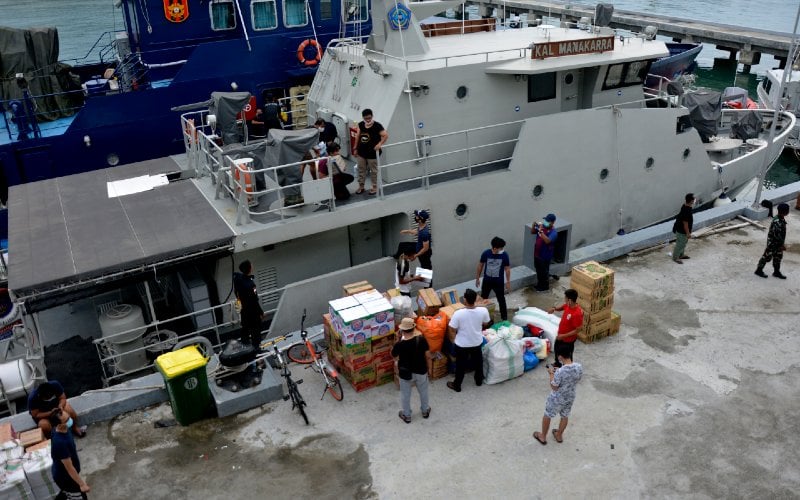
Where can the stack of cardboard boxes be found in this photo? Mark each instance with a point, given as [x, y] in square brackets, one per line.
[595, 286]
[360, 332]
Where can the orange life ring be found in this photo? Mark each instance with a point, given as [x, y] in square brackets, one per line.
[301, 56]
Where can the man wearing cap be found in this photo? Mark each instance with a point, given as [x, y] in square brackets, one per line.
[414, 365]
[546, 235]
[423, 234]
[466, 332]
[776, 244]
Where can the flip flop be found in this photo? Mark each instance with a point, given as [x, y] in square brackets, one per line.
[536, 437]
[360, 191]
[556, 438]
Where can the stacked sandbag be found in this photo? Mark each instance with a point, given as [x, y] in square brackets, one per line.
[595, 286]
[539, 318]
[13, 482]
[37, 464]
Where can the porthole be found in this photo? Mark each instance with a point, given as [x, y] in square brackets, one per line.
[461, 210]
[112, 159]
[569, 79]
[538, 190]
[461, 92]
[686, 153]
[603, 174]
[648, 165]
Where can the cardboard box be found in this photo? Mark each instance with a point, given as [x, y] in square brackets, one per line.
[383, 357]
[38, 446]
[596, 305]
[616, 322]
[450, 297]
[357, 287]
[592, 275]
[586, 339]
[386, 378]
[489, 304]
[592, 293]
[384, 367]
[439, 368]
[392, 292]
[353, 325]
[31, 437]
[380, 316]
[7, 432]
[428, 302]
[601, 327]
[337, 305]
[452, 308]
[363, 374]
[383, 343]
[356, 363]
[596, 317]
[357, 349]
[368, 296]
[363, 385]
[425, 274]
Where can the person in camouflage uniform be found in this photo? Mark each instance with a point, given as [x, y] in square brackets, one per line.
[776, 239]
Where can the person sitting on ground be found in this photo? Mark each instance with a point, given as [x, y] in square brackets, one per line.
[46, 398]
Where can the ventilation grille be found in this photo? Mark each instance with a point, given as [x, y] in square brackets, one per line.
[267, 283]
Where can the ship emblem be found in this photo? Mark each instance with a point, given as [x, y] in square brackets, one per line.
[399, 17]
[176, 11]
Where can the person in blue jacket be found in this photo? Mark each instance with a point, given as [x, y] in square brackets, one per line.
[546, 235]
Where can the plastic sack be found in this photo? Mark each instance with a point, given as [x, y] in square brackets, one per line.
[403, 308]
[540, 318]
[529, 360]
[434, 329]
[502, 360]
[541, 352]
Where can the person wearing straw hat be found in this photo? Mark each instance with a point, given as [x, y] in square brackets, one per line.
[414, 366]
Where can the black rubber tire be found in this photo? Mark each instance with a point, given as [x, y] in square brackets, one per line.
[334, 385]
[301, 405]
[299, 353]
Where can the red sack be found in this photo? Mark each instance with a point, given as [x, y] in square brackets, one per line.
[433, 328]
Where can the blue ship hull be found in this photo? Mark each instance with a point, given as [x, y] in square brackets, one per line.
[680, 61]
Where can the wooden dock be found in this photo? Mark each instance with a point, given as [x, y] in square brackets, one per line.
[746, 44]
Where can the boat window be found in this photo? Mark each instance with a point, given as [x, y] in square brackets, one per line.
[295, 13]
[767, 85]
[326, 9]
[222, 15]
[355, 11]
[264, 15]
[541, 87]
[626, 74]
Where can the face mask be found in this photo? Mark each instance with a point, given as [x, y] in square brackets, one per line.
[545, 224]
[69, 423]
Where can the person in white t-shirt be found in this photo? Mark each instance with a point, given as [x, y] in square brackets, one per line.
[403, 278]
[466, 332]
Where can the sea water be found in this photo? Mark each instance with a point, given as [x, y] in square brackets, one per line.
[81, 22]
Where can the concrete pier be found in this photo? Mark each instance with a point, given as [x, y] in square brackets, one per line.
[694, 397]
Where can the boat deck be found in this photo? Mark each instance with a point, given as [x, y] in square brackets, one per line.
[48, 129]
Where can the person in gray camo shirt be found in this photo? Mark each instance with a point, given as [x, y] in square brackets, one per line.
[563, 382]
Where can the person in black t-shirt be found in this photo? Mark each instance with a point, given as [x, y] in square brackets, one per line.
[327, 131]
[66, 464]
[251, 314]
[683, 228]
[371, 137]
[414, 365]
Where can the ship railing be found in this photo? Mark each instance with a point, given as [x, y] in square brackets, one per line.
[214, 329]
[103, 47]
[296, 110]
[37, 118]
[450, 155]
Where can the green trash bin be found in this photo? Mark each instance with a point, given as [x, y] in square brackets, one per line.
[184, 373]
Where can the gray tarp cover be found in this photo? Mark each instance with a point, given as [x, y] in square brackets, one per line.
[705, 108]
[226, 105]
[748, 126]
[67, 229]
[34, 52]
[281, 147]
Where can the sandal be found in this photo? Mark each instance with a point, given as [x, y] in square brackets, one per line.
[372, 193]
[80, 431]
[360, 190]
[536, 437]
[555, 436]
[404, 418]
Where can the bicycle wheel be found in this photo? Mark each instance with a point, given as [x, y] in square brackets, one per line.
[297, 399]
[334, 385]
[300, 353]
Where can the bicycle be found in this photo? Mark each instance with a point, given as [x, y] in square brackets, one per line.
[303, 352]
[291, 384]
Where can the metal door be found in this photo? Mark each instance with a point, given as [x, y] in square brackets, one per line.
[366, 242]
[570, 88]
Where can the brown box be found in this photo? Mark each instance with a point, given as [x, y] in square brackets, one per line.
[439, 368]
[384, 367]
[596, 305]
[38, 446]
[596, 317]
[601, 327]
[592, 293]
[489, 304]
[450, 297]
[7, 432]
[392, 292]
[383, 343]
[588, 339]
[355, 363]
[31, 437]
[364, 385]
[452, 308]
[428, 302]
[385, 378]
[357, 287]
[616, 322]
[592, 275]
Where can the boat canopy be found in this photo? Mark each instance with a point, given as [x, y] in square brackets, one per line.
[33, 52]
[705, 109]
